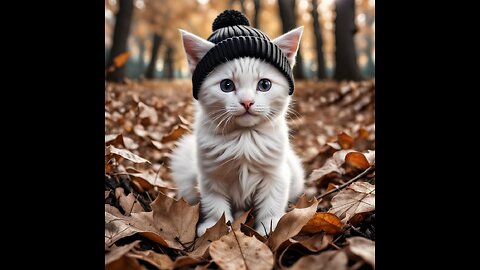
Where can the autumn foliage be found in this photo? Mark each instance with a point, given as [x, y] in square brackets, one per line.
[333, 129]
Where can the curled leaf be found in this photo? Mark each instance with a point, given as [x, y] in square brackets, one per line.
[327, 222]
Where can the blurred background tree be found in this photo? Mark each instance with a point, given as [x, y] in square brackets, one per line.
[338, 40]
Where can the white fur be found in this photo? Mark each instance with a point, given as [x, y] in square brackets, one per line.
[233, 162]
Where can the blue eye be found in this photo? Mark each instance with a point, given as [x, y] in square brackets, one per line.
[227, 85]
[264, 85]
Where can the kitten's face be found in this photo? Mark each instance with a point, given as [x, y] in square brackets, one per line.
[245, 91]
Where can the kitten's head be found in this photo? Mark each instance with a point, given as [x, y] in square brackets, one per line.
[244, 91]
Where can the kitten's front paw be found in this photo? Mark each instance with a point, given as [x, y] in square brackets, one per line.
[267, 222]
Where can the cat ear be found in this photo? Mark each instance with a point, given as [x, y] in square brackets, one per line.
[195, 48]
[289, 43]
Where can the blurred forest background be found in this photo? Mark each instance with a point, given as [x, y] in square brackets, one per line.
[338, 41]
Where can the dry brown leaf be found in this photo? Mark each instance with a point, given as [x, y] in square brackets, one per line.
[128, 203]
[356, 219]
[290, 224]
[158, 145]
[303, 202]
[107, 193]
[327, 260]
[118, 251]
[114, 139]
[359, 197]
[241, 219]
[140, 131]
[125, 262]
[357, 160]
[333, 164]
[149, 180]
[363, 248]
[317, 242]
[327, 222]
[147, 112]
[214, 233]
[185, 261]
[125, 154]
[121, 59]
[176, 132]
[118, 226]
[345, 140]
[175, 219]
[161, 261]
[130, 143]
[238, 251]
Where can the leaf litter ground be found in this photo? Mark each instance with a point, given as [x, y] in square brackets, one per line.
[333, 130]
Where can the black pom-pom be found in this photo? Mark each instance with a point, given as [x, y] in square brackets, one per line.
[229, 18]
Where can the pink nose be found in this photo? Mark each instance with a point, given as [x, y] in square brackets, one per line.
[247, 103]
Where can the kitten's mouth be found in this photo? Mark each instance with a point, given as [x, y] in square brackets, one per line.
[246, 113]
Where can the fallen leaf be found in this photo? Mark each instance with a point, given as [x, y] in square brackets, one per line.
[107, 193]
[317, 242]
[118, 251]
[241, 219]
[140, 131]
[125, 154]
[175, 219]
[147, 113]
[333, 164]
[303, 202]
[176, 132]
[327, 260]
[291, 224]
[158, 145]
[363, 248]
[359, 197]
[148, 180]
[238, 251]
[125, 262]
[356, 219]
[114, 139]
[118, 226]
[345, 140]
[128, 203]
[327, 222]
[186, 261]
[357, 160]
[121, 59]
[214, 233]
[161, 261]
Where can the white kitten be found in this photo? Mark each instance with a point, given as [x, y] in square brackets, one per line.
[239, 156]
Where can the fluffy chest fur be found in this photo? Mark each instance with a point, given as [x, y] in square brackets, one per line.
[236, 163]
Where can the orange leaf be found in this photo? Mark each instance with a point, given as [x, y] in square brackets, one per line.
[357, 160]
[176, 132]
[345, 140]
[121, 59]
[327, 222]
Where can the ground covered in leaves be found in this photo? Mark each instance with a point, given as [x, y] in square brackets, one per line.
[332, 226]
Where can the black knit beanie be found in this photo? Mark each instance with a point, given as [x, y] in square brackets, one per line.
[234, 38]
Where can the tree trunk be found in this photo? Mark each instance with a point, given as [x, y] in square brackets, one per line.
[346, 67]
[256, 18]
[287, 15]
[157, 41]
[319, 42]
[121, 32]
[242, 7]
[168, 64]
